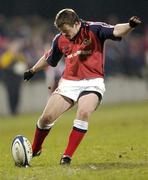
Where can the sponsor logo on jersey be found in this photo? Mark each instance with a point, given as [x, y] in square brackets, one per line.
[80, 52]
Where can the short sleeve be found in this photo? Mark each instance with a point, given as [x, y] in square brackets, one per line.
[54, 55]
[104, 31]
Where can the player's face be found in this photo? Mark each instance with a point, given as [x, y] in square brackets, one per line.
[70, 31]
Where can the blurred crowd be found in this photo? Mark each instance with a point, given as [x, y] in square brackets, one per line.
[24, 40]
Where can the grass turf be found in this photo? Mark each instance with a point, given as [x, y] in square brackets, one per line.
[115, 147]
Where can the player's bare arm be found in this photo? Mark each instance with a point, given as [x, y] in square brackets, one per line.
[121, 30]
[41, 64]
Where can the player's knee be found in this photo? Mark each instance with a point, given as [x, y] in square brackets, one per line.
[45, 122]
[46, 119]
[84, 114]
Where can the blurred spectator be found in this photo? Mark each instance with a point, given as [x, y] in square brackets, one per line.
[145, 70]
[53, 74]
[12, 63]
[114, 55]
[135, 62]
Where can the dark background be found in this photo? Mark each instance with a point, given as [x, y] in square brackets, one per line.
[87, 9]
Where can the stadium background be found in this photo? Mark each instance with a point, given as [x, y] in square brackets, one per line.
[26, 31]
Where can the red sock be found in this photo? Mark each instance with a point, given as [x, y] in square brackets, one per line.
[75, 138]
[40, 135]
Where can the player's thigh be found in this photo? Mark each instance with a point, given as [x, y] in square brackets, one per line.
[57, 105]
[87, 104]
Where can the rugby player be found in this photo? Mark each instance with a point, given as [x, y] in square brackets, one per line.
[81, 43]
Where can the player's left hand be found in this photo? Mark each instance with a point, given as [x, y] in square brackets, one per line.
[134, 21]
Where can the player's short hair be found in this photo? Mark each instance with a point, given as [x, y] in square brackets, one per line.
[66, 16]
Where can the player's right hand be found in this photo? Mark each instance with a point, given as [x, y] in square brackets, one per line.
[28, 75]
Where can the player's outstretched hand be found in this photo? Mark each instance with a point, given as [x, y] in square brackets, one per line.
[28, 75]
[134, 21]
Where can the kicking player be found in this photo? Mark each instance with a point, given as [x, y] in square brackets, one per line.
[81, 43]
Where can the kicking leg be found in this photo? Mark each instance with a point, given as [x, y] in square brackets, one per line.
[55, 107]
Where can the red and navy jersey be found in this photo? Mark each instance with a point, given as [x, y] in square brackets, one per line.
[84, 53]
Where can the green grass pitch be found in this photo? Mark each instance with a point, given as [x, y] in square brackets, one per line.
[114, 148]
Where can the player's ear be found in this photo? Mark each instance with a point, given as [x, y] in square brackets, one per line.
[76, 24]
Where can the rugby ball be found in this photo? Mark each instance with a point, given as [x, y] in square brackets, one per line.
[21, 151]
